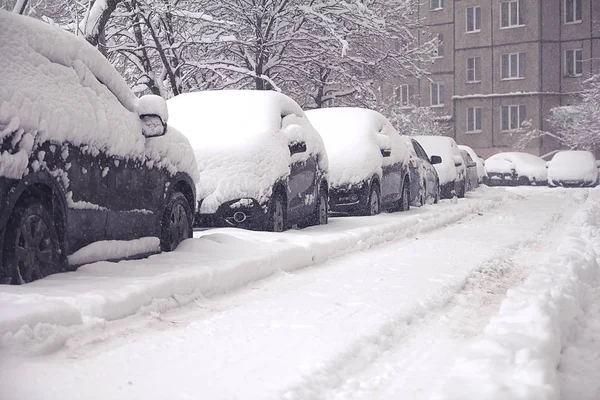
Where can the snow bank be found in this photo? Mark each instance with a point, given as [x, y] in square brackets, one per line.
[240, 141]
[520, 350]
[573, 165]
[44, 313]
[524, 164]
[354, 138]
[446, 148]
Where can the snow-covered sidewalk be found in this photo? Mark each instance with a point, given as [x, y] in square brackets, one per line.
[49, 310]
[313, 333]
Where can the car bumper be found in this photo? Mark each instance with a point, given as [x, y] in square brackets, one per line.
[572, 183]
[348, 200]
[240, 213]
[501, 179]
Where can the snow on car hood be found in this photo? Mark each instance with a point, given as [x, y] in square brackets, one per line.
[446, 148]
[55, 86]
[240, 141]
[353, 139]
[573, 165]
[524, 164]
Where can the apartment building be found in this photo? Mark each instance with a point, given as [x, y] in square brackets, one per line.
[502, 62]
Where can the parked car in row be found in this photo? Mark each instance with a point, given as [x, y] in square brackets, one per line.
[83, 161]
[451, 170]
[515, 168]
[368, 161]
[481, 174]
[424, 181]
[262, 164]
[471, 178]
[573, 168]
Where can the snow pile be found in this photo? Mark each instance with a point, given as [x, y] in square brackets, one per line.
[573, 165]
[240, 141]
[524, 164]
[520, 351]
[54, 86]
[446, 148]
[48, 311]
[354, 138]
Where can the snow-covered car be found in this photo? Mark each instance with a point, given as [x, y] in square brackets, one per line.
[451, 171]
[424, 181]
[368, 161]
[471, 176]
[573, 168]
[515, 168]
[86, 170]
[481, 175]
[262, 165]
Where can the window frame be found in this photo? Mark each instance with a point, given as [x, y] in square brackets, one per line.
[510, 108]
[520, 18]
[575, 63]
[510, 69]
[401, 98]
[439, 99]
[474, 16]
[474, 69]
[475, 120]
[440, 44]
[574, 9]
[440, 5]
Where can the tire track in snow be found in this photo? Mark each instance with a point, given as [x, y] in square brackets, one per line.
[408, 356]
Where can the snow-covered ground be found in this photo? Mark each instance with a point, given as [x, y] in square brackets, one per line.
[405, 305]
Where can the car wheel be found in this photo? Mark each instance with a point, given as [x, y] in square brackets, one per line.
[176, 223]
[461, 190]
[277, 215]
[523, 181]
[424, 194]
[405, 200]
[32, 249]
[436, 199]
[322, 212]
[374, 202]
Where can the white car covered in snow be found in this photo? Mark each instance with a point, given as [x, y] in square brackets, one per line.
[481, 174]
[262, 165]
[515, 168]
[86, 170]
[368, 159]
[573, 168]
[452, 170]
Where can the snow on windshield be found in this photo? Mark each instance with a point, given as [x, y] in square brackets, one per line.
[354, 138]
[240, 141]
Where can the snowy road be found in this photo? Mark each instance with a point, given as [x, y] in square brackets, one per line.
[386, 322]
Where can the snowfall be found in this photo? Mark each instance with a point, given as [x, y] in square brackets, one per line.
[495, 296]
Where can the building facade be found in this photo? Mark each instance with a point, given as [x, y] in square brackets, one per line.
[502, 62]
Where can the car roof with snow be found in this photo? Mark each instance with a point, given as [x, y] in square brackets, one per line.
[574, 156]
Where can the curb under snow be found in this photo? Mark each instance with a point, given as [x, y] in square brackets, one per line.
[40, 316]
[518, 355]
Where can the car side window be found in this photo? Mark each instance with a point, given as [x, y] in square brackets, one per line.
[419, 150]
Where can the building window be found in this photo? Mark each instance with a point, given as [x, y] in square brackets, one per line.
[474, 117]
[512, 117]
[403, 95]
[572, 11]
[512, 14]
[436, 4]
[513, 66]
[437, 94]
[473, 69]
[574, 62]
[440, 46]
[473, 19]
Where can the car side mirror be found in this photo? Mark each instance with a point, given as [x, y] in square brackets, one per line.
[435, 160]
[458, 161]
[386, 152]
[153, 125]
[297, 147]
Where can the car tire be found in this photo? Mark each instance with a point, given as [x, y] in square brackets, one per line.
[405, 198]
[373, 206]
[32, 249]
[523, 181]
[177, 222]
[436, 199]
[277, 214]
[321, 216]
[461, 190]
